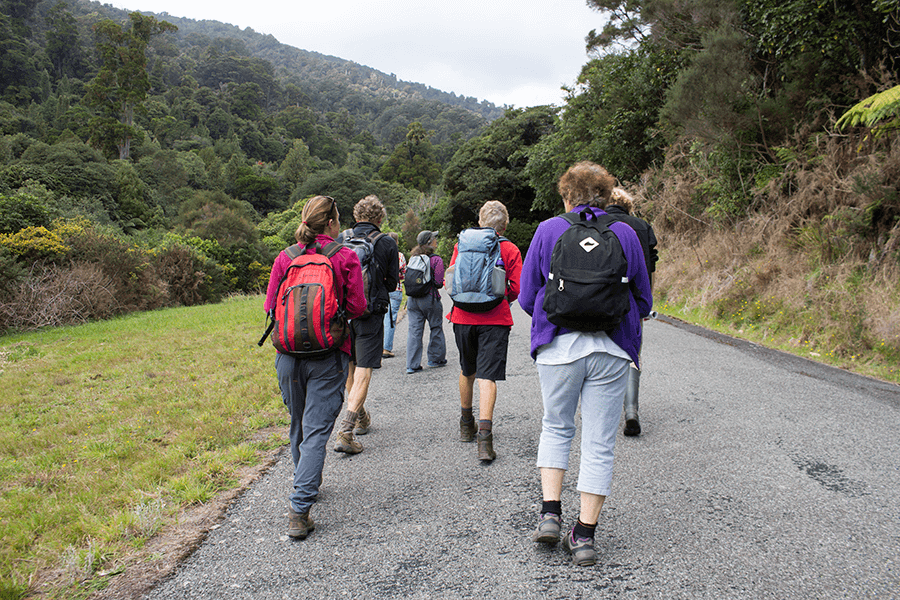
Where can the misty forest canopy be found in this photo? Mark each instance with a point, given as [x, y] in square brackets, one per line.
[194, 143]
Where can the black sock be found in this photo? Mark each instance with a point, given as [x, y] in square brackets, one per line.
[584, 531]
[485, 425]
[551, 506]
[467, 415]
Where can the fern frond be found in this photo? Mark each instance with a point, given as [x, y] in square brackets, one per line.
[884, 106]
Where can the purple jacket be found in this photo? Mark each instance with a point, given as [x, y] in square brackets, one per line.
[534, 280]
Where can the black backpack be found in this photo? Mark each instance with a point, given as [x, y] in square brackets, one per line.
[364, 246]
[418, 279]
[587, 288]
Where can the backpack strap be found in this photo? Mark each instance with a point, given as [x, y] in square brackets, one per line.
[294, 251]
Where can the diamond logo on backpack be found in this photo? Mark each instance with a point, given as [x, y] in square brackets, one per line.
[589, 244]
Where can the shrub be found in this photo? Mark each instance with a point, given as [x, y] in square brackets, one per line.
[52, 295]
[26, 208]
[34, 243]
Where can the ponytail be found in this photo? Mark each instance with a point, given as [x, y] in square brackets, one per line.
[317, 211]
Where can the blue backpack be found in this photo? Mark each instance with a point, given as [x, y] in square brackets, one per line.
[479, 278]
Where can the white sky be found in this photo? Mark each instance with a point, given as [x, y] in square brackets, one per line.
[507, 52]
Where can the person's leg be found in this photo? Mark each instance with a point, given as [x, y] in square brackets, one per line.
[287, 371]
[368, 348]
[560, 390]
[390, 321]
[492, 346]
[602, 395]
[324, 385]
[467, 426]
[361, 381]
[346, 441]
[415, 326]
[487, 398]
[437, 345]
[466, 390]
[632, 420]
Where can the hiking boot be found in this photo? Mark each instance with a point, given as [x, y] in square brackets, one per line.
[467, 430]
[486, 446]
[581, 549]
[299, 524]
[347, 443]
[547, 531]
[363, 423]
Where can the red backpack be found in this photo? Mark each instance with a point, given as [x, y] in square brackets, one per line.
[308, 320]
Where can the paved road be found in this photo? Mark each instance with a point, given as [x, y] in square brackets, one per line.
[759, 475]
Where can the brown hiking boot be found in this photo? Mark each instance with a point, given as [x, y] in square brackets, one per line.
[363, 423]
[347, 443]
[467, 430]
[299, 524]
[486, 446]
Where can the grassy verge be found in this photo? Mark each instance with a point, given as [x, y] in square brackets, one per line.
[111, 428]
[768, 322]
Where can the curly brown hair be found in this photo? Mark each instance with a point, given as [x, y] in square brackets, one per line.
[586, 183]
[369, 209]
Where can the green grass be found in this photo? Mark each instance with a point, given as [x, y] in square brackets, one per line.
[110, 428]
[809, 333]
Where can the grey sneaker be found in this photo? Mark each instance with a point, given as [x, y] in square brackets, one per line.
[485, 447]
[347, 443]
[363, 423]
[581, 549]
[299, 524]
[547, 531]
[467, 430]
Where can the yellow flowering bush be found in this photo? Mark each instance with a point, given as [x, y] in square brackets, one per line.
[34, 242]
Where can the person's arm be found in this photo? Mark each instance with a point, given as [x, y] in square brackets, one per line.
[392, 276]
[354, 294]
[512, 261]
[278, 268]
[637, 267]
[532, 278]
[437, 268]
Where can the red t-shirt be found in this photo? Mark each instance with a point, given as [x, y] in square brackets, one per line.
[500, 314]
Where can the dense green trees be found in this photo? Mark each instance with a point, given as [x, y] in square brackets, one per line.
[122, 83]
[211, 131]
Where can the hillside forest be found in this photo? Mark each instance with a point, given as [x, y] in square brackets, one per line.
[150, 161]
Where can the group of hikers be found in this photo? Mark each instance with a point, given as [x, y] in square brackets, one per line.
[585, 282]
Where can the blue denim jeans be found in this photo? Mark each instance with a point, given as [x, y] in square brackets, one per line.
[313, 391]
[390, 320]
[418, 312]
[598, 380]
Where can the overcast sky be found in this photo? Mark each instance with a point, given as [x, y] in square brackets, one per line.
[507, 52]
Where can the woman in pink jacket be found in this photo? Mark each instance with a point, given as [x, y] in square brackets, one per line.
[313, 388]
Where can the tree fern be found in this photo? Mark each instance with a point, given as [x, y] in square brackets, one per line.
[881, 112]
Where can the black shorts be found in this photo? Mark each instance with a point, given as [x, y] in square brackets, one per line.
[482, 350]
[367, 337]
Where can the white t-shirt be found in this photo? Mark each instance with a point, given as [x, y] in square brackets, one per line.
[575, 345]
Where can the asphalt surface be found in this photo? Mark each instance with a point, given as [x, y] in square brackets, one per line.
[758, 475]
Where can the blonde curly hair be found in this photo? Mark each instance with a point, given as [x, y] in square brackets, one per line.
[493, 214]
[622, 198]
